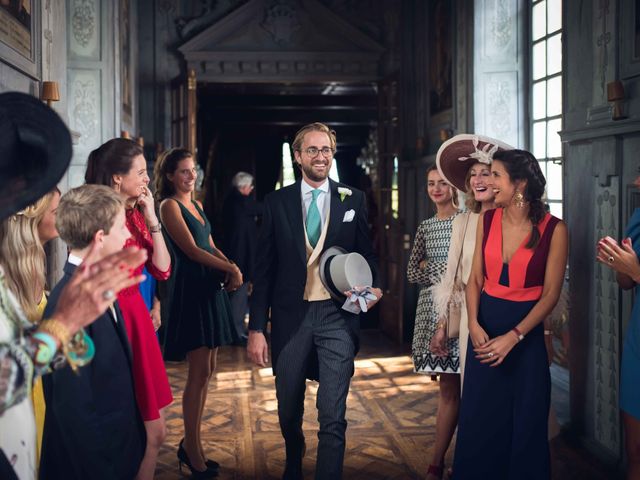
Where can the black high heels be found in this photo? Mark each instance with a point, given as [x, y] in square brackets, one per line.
[210, 472]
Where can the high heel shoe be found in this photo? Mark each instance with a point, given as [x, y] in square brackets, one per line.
[212, 464]
[183, 458]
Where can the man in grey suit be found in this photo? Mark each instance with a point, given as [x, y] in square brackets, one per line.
[311, 336]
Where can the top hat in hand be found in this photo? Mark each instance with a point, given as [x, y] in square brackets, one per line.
[341, 271]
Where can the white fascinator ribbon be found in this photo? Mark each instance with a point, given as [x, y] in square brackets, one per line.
[484, 155]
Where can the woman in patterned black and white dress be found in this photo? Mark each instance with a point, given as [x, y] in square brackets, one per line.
[427, 264]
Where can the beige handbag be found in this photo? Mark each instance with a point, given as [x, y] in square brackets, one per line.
[454, 308]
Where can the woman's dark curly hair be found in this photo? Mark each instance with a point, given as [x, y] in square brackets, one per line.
[522, 165]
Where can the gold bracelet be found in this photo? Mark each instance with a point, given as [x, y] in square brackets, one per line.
[73, 347]
[56, 329]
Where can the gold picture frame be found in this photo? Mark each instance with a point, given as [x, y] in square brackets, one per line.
[20, 41]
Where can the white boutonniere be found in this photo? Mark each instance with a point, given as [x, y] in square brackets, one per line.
[344, 192]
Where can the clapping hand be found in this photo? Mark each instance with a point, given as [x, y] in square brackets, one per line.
[95, 284]
[621, 258]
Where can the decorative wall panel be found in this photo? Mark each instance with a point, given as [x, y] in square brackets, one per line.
[606, 335]
[85, 91]
[500, 109]
[499, 21]
[84, 29]
[499, 87]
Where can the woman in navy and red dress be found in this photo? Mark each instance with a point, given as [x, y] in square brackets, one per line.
[516, 278]
[120, 164]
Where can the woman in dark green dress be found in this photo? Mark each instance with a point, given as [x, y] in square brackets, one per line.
[195, 309]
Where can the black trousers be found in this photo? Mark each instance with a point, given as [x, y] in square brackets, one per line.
[323, 332]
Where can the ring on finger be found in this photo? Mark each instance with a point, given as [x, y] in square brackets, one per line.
[490, 354]
[610, 259]
[108, 294]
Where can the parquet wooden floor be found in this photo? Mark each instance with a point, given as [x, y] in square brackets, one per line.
[391, 421]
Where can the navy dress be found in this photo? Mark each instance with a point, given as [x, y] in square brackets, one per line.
[502, 427]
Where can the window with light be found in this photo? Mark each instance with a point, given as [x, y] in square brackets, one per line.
[546, 95]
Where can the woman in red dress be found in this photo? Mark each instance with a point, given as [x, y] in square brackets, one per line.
[120, 164]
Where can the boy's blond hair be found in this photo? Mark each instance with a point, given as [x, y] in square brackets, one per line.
[85, 210]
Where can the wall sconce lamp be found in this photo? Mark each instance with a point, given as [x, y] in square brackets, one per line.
[445, 134]
[615, 94]
[50, 92]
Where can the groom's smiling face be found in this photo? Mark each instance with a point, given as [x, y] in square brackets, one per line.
[315, 167]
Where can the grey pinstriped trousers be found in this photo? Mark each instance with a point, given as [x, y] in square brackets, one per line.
[325, 330]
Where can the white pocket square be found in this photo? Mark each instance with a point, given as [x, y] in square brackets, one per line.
[348, 216]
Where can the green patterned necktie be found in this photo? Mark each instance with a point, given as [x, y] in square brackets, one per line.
[313, 219]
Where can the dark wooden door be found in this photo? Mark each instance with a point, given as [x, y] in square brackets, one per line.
[390, 229]
[183, 112]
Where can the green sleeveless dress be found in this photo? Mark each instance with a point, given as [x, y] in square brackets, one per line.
[195, 309]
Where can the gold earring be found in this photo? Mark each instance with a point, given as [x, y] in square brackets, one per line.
[518, 199]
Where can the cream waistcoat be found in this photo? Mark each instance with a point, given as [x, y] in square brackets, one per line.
[314, 291]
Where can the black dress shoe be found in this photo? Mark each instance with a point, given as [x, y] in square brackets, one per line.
[292, 472]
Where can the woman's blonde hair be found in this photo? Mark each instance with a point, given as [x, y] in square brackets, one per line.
[470, 200]
[22, 254]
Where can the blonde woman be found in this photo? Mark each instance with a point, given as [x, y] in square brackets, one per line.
[464, 161]
[22, 256]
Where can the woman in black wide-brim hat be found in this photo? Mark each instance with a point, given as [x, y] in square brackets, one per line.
[36, 150]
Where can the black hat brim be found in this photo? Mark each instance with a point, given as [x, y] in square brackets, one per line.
[38, 155]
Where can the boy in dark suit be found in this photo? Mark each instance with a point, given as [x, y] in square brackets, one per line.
[92, 426]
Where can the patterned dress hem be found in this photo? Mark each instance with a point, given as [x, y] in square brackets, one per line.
[430, 365]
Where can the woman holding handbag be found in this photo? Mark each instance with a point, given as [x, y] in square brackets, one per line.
[427, 264]
[196, 311]
[471, 175]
